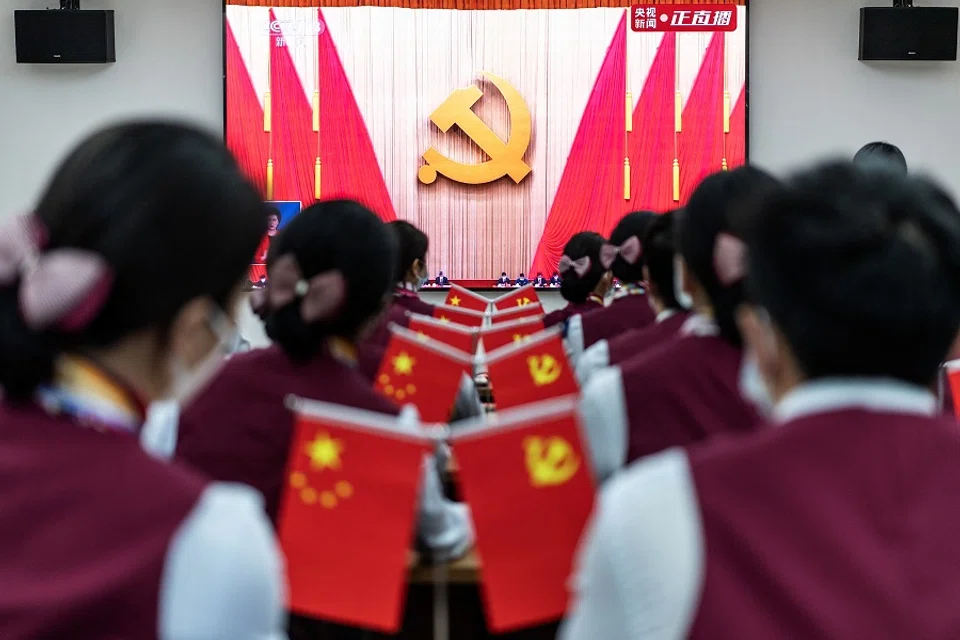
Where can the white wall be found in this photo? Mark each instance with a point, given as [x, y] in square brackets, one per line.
[169, 62]
[809, 95]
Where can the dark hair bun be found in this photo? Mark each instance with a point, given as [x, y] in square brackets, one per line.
[632, 225]
[573, 288]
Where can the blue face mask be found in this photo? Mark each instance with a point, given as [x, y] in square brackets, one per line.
[424, 279]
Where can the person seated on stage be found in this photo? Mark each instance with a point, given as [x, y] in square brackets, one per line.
[631, 307]
[504, 280]
[811, 528]
[539, 281]
[441, 280]
[686, 390]
[261, 283]
[273, 228]
[521, 281]
[101, 540]
[555, 279]
[658, 272]
[585, 281]
[882, 153]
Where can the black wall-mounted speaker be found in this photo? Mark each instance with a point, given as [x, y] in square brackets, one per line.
[60, 36]
[908, 33]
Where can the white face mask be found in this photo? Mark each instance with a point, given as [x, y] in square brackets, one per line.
[683, 298]
[188, 383]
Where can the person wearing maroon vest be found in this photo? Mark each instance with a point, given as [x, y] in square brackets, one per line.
[97, 538]
[658, 274]
[685, 390]
[630, 308]
[584, 281]
[841, 519]
[330, 270]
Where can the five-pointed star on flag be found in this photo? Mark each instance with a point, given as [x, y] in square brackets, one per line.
[455, 301]
[444, 319]
[324, 452]
[403, 364]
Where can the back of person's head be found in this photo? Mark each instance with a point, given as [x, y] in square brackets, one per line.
[709, 218]
[626, 240]
[882, 153]
[343, 249]
[659, 251]
[89, 269]
[581, 255]
[859, 268]
[412, 246]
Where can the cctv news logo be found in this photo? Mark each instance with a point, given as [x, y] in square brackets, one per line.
[293, 32]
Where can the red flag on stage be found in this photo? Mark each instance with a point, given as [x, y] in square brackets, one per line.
[504, 333]
[531, 371]
[533, 310]
[449, 333]
[466, 317]
[347, 514]
[521, 297]
[528, 482]
[424, 373]
[465, 299]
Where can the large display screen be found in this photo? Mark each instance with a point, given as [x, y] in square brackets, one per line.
[500, 133]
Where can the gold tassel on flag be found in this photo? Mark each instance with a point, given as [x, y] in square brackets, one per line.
[316, 111]
[267, 113]
[626, 178]
[629, 112]
[723, 164]
[678, 111]
[316, 179]
[270, 179]
[676, 180]
[726, 112]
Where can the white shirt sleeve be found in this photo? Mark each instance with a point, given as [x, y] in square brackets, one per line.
[640, 571]
[597, 356]
[574, 338]
[223, 578]
[603, 411]
[159, 433]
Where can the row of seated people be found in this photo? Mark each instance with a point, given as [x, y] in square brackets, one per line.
[774, 466]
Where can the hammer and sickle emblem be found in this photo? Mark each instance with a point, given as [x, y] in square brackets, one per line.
[522, 302]
[506, 158]
[544, 369]
[550, 461]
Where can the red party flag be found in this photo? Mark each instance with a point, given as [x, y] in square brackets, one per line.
[528, 482]
[504, 333]
[424, 373]
[953, 380]
[466, 317]
[465, 299]
[521, 297]
[347, 513]
[449, 333]
[534, 310]
[531, 371]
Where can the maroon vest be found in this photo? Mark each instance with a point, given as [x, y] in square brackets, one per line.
[838, 525]
[239, 430]
[623, 314]
[635, 341]
[380, 335]
[683, 392]
[560, 315]
[412, 303]
[86, 518]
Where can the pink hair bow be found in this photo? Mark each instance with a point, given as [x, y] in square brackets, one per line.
[729, 259]
[62, 288]
[321, 297]
[580, 266]
[630, 251]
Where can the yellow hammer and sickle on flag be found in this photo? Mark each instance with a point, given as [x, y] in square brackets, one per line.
[506, 158]
[544, 369]
[522, 302]
[550, 461]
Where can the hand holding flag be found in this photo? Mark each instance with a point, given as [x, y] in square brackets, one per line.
[521, 297]
[465, 299]
[454, 335]
[531, 371]
[505, 333]
[533, 310]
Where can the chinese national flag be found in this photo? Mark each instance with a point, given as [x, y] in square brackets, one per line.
[504, 333]
[347, 514]
[423, 373]
[466, 299]
[531, 371]
[449, 333]
[517, 298]
[530, 488]
[466, 317]
[534, 310]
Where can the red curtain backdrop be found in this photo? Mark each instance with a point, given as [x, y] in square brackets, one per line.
[469, 4]
[651, 144]
[590, 194]
[245, 135]
[736, 140]
[701, 139]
